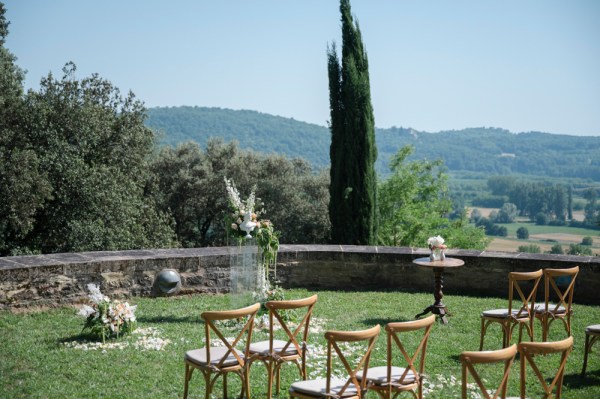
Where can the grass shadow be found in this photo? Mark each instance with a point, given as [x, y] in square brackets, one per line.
[384, 320]
[576, 381]
[170, 319]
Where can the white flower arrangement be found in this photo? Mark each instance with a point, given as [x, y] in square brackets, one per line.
[106, 317]
[436, 242]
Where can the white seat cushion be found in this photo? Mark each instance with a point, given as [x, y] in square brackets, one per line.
[317, 388]
[378, 375]
[540, 308]
[594, 328]
[262, 347]
[502, 313]
[198, 356]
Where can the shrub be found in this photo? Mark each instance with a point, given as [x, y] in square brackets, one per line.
[556, 249]
[587, 241]
[522, 233]
[532, 249]
[577, 249]
[541, 219]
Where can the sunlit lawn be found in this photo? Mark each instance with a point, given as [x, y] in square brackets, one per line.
[40, 355]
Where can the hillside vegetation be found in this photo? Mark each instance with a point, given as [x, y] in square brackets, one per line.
[490, 151]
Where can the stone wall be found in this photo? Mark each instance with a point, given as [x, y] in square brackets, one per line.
[56, 279]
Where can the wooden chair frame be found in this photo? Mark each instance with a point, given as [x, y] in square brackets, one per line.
[527, 351]
[470, 359]
[294, 350]
[395, 387]
[220, 368]
[525, 315]
[334, 338]
[565, 299]
[590, 339]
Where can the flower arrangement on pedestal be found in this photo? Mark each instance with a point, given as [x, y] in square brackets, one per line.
[105, 317]
[437, 248]
[243, 222]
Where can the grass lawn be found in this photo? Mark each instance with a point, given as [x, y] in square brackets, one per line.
[42, 353]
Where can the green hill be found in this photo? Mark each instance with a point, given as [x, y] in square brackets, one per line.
[490, 151]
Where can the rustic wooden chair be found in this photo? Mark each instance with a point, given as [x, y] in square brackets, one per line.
[215, 360]
[333, 387]
[389, 379]
[518, 313]
[592, 333]
[274, 352]
[470, 359]
[527, 352]
[548, 312]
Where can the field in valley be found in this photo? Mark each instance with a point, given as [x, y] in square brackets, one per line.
[543, 236]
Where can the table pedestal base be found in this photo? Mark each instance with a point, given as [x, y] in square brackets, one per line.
[441, 310]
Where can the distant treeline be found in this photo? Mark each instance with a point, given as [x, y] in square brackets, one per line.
[487, 150]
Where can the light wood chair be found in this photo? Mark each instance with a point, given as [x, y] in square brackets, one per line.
[390, 380]
[470, 359]
[333, 387]
[527, 352]
[274, 352]
[592, 333]
[223, 357]
[562, 310]
[519, 313]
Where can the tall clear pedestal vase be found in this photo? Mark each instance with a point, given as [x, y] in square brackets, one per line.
[244, 274]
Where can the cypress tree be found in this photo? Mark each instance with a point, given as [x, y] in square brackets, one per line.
[353, 189]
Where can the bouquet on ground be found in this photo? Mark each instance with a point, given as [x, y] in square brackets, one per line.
[105, 317]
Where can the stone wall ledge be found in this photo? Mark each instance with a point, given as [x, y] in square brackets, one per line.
[58, 279]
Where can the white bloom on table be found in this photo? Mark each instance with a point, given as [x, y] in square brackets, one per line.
[435, 242]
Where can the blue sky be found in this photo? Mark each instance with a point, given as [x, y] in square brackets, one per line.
[522, 65]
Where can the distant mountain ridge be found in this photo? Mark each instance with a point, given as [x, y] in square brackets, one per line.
[488, 150]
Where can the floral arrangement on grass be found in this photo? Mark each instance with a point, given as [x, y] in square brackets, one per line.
[105, 317]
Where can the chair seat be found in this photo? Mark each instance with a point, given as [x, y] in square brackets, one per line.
[593, 328]
[262, 348]
[502, 313]
[378, 375]
[541, 308]
[198, 356]
[317, 388]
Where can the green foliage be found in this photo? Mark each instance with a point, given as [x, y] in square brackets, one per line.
[587, 241]
[578, 249]
[413, 203]
[506, 214]
[522, 233]
[490, 228]
[531, 248]
[541, 219]
[188, 182]
[557, 249]
[353, 152]
[86, 148]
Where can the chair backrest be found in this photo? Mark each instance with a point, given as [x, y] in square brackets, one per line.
[334, 338]
[247, 314]
[470, 359]
[275, 308]
[526, 285]
[564, 295]
[394, 342]
[527, 352]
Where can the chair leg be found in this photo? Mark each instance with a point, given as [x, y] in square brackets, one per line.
[483, 328]
[269, 365]
[188, 375]
[585, 354]
[224, 386]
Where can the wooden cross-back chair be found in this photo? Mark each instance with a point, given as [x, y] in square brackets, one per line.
[352, 387]
[562, 310]
[222, 357]
[592, 334]
[527, 353]
[519, 313]
[470, 359]
[274, 352]
[391, 380]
